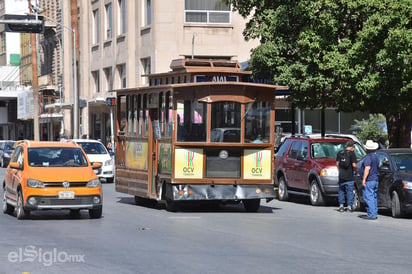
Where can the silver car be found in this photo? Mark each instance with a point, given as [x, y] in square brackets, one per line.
[6, 149]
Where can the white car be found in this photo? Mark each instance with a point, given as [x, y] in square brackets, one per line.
[97, 152]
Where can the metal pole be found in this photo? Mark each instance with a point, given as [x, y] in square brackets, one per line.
[112, 130]
[75, 92]
[35, 83]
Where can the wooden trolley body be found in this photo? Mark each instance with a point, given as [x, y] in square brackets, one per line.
[197, 133]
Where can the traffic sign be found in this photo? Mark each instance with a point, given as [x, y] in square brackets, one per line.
[29, 23]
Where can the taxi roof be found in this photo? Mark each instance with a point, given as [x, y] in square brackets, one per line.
[31, 143]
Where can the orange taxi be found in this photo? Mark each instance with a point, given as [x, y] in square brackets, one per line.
[51, 175]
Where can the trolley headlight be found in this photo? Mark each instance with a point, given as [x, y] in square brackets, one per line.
[329, 171]
[34, 183]
[407, 184]
[93, 183]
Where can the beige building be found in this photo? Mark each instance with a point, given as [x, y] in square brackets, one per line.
[122, 41]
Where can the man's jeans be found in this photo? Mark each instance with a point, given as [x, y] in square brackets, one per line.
[346, 187]
[370, 196]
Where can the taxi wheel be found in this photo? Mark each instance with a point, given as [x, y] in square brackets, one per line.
[21, 213]
[75, 213]
[7, 209]
[96, 213]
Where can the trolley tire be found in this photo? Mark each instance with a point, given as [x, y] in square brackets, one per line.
[251, 205]
[171, 206]
[140, 201]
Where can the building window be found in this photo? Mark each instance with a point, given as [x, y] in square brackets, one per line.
[96, 26]
[146, 69]
[109, 79]
[96, 81]
[109, 22]
[121, 16]
[147, 13]
[207, 11]
[121, 76]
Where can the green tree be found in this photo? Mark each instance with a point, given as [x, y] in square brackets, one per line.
[347, 54]
[371, 129]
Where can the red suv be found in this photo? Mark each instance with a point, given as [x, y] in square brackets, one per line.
[307, 165]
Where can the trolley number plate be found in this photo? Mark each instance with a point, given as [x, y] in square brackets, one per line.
[66, 195]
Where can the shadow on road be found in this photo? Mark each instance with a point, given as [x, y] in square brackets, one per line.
[197, 206]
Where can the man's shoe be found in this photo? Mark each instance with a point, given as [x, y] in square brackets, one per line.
[350, 209]
[366, 217]
[341, 209]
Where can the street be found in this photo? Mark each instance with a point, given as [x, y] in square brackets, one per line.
[283, 237]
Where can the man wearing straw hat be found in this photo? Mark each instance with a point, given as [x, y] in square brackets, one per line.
[370, 180]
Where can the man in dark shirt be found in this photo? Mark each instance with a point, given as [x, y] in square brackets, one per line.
[346, 163]
[370, 177]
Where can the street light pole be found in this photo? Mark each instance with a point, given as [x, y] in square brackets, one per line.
[75, 91]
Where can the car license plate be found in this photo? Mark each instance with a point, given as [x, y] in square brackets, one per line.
[66, 195]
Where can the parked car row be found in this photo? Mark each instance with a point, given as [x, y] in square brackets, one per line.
[306, 165]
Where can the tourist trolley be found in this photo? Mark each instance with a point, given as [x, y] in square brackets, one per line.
[201, 132]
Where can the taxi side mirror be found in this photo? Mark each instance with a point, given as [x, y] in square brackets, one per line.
[15, 165]
[96, 165]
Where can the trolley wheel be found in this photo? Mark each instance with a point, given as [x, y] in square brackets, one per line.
[140, 201]
[171, 206]
[251, 205]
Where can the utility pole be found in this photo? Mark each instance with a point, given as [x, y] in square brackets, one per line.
[35, 82]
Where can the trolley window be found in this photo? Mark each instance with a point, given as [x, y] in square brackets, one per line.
[226, 120]
[191, 121]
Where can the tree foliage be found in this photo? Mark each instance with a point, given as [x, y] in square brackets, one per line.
[371, 129]
[347, 54]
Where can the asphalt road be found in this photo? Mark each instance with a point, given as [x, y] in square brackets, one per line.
[283, 237]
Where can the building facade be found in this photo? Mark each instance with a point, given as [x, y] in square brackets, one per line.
[123, 41]
[10, 85]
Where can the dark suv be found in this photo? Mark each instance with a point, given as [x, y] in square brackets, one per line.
[307, 165]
